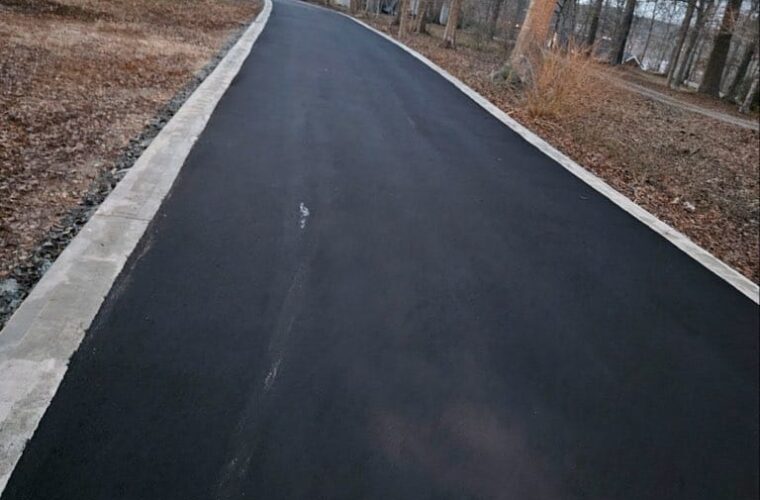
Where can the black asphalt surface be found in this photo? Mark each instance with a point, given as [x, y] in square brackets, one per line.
[458, 317]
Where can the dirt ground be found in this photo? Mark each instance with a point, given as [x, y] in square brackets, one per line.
[688, 95]
[79, 79]
[696, 173]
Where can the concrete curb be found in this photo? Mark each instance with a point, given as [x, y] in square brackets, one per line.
[717, 266]
[43, 333]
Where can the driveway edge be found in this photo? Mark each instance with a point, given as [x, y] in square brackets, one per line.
[38, 340]
[680, 240]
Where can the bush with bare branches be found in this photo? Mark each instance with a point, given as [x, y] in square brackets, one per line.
[563, 83]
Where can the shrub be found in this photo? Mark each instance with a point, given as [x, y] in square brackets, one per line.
[563, 83]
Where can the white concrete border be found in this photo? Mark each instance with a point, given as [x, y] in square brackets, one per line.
[717, 266]
[43, 333]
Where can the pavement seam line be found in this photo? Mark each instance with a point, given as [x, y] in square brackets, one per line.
[680, 240]
[49, 325]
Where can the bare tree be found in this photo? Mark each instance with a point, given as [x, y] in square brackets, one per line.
[665, 40]
[564, 23]
[436, 6]
[742, 50]
[397, 15]
[596, 12]
[742, 37]
[449, 34]
[696, 56]
[649, 32]
[515, 21]
[623, 30]
[403, 21]
[705, 40]
[493, 16]
[532, 37]
[741, 71]
[719, 54]
[422, 8]
[704, 11]
[675, 56]
[751, 95]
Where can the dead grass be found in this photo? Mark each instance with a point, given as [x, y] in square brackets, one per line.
[562, 84]
[698, 174]
[78, 79]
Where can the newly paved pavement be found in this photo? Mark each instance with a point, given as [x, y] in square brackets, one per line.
[448, 315]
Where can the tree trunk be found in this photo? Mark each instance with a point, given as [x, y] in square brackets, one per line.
[450, 33]
[403, 21]
[664, 42]
[532, 37]
[741, 33]
[623, 31]
[596, 12]
[649, 33]
[675, 56]
[397, 15]
[751, 37]
[702, 40]
[493, 16]
[685, 68]
[703, 11]
[747, 104]
[717, 60]
[422, 7]
[691, 73]
[513, 30]
[741, 72]
[564, 23]
[435, 11]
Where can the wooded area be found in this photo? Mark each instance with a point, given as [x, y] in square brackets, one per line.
[706, 45]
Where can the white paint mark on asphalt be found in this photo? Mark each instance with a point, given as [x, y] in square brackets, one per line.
[304, 215]
[272, 375]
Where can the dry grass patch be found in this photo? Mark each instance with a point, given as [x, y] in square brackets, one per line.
[78, 80]
[563, 84]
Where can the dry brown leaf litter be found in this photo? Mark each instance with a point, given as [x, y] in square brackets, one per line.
[78, 80]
